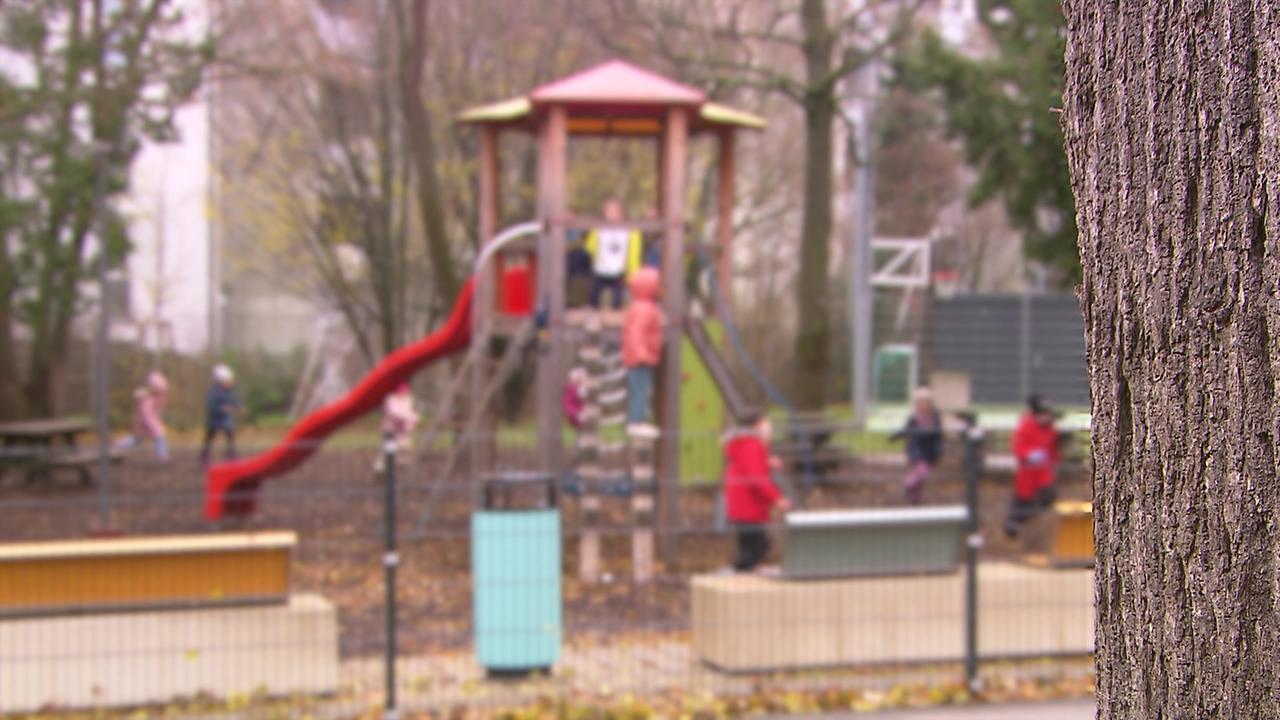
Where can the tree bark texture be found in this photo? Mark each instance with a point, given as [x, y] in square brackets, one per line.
[1172, 121]
[813, 338]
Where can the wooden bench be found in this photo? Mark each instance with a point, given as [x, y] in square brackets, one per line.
[82, 462]
[48, 578]
[808, 451]
[126, 622]
[40, 447]
[859, 543]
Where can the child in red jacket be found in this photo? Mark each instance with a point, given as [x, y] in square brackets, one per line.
[749, 492]
[1035, 447]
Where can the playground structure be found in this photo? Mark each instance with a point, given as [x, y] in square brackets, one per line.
[858, 588]
[517, 295]
[621, 100]
[516, 301]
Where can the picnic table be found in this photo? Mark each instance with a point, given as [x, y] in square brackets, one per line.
[808, 450]
[39, 447]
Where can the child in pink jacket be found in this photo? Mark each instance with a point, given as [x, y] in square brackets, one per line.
[148, 416]
[641, 344]
[574, 397]
[399, 417]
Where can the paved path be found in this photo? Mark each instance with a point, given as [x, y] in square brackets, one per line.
[656, 664]
[1073, 710]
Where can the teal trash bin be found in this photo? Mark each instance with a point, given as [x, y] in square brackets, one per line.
[515, 572]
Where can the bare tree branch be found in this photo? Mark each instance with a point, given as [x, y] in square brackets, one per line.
[418, 127]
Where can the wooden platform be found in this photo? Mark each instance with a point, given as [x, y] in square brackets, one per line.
[135, 658]
[147, 572]
[755, 623]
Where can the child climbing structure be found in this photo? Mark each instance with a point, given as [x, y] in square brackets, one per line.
[621, 100]
[517, 295]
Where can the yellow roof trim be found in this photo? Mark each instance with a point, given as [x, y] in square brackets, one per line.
[725, 115]
[505, 111]
[520, 108]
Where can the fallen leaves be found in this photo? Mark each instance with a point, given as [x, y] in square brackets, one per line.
[766, 698]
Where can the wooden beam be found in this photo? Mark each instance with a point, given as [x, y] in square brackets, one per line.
[724, 222]
[661, 179]
[581, 222]
[481, 446]
[489, 207]
[487, 219]
[674, 156]
[554, 135]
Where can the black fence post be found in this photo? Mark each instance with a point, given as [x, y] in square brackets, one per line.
[390, 562]
[974, 460]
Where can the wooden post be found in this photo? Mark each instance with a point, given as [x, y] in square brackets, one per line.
[487, 207]
[640, 462]
[724, 223]
[589, 456]
[675, 152]
[488, 204]
[660, 183]
[554, 136]
[482, 444]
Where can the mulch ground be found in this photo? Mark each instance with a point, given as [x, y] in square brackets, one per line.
[336, 506]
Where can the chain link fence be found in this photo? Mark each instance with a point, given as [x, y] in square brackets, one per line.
[490, 611]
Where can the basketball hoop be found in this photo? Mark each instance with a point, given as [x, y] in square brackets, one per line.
[946, 283]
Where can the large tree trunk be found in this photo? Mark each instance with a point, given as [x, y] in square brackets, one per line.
[11, 401]
[813, 338]
[45, 383]
[1172, 120]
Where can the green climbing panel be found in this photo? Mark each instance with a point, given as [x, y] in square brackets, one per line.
[701, 417]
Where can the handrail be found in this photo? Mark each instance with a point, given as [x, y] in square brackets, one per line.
[735, 337]
[504, 238]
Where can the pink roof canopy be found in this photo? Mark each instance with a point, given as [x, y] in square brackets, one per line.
[616, 83]
[613, 97]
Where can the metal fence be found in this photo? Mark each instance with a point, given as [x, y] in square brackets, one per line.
[1010, 345]
[405, 590]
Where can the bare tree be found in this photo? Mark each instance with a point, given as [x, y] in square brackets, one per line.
[316, 169]
[803, 51]
[347, 180]
[1170, 112]
[413, 38]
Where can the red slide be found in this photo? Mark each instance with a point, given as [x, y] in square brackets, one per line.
[231, 487]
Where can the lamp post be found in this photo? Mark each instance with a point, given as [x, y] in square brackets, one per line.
[102, 359]
[861, 297]
[102, 151]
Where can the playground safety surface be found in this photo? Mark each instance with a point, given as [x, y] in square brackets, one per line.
[335, 505]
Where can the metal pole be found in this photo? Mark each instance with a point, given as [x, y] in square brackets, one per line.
[973, 466]
[102, 357]
[861, 295]
[1024, 339]
[390, 561]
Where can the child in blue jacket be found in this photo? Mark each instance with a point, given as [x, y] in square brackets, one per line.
[923, 433]
[221, 408]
